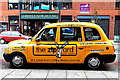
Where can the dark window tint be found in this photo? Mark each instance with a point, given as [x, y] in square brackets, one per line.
[91, 34]
[70, 34]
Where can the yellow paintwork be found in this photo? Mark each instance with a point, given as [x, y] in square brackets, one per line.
[39, 51]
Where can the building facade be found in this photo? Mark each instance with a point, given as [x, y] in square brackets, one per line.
[29, 16]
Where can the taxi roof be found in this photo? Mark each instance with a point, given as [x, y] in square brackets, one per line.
[72, 24]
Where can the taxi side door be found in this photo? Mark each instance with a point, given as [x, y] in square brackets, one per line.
[74, 51]
[44, 48]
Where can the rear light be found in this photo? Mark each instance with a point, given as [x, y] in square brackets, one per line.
[114, 48]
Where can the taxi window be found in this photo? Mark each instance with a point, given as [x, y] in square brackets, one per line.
[91, 34]
[48, 34]
[70, 34]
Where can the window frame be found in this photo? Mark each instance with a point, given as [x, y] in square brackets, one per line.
[69, 3]
[117, 5]
[13, 3]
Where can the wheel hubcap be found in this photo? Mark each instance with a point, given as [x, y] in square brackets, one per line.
[2, 41]
[17, 61]
[94, 62]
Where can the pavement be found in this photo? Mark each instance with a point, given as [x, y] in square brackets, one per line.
[57, 74]
[34, 74]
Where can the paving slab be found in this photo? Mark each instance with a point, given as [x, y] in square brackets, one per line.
[19, 73]
[37, 75]
[76, 75]
[95, 75]
[56, 75]
[111, 75]
[5, 72]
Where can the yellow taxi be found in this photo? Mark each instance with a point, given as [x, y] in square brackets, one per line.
[67, 42]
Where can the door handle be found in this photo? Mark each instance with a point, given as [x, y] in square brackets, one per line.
[80, 48]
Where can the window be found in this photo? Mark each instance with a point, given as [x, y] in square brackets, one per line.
[15, 34]
[14, 23]
[118, 5]
[26, 5]
[48, 34]
[13, 4]
[66, 18]
[70, 34]
[67, 5]
[55, 6]
[45, 5]
[36, 6]
[6, 33]
[91, 34]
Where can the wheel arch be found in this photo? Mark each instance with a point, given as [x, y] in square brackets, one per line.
[18, 53]
[92, 54]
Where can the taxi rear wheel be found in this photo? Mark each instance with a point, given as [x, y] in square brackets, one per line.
[17, 61]
[93, 62]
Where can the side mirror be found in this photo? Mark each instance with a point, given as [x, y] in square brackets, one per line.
[20, 35]
[38, 39]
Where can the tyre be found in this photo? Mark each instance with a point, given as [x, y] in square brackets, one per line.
[93, 62]
[2, 41]
[18, 61]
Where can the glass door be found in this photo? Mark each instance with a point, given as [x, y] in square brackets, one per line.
[27, 28]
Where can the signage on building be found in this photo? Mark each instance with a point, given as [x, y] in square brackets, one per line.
[39, 16]
[84, 8]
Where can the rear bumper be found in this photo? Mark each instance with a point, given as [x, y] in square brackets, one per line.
[6, 57]
[108, 58]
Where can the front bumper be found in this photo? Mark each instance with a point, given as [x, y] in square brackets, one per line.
[108, 58]
[7, 57]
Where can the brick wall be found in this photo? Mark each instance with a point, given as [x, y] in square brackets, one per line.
[103, 8]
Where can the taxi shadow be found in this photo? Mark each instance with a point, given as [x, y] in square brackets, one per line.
[63, 67]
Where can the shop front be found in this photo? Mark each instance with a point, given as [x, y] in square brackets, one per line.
[31, 23]
[14, 23]
[117, 29]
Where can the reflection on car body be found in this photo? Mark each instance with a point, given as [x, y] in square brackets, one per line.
[7, 36]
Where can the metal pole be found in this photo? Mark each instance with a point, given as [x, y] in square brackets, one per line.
[59, 6]
[20, 17]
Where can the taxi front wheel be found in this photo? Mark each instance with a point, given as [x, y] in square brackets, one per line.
[93, 62]
[17, 61]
